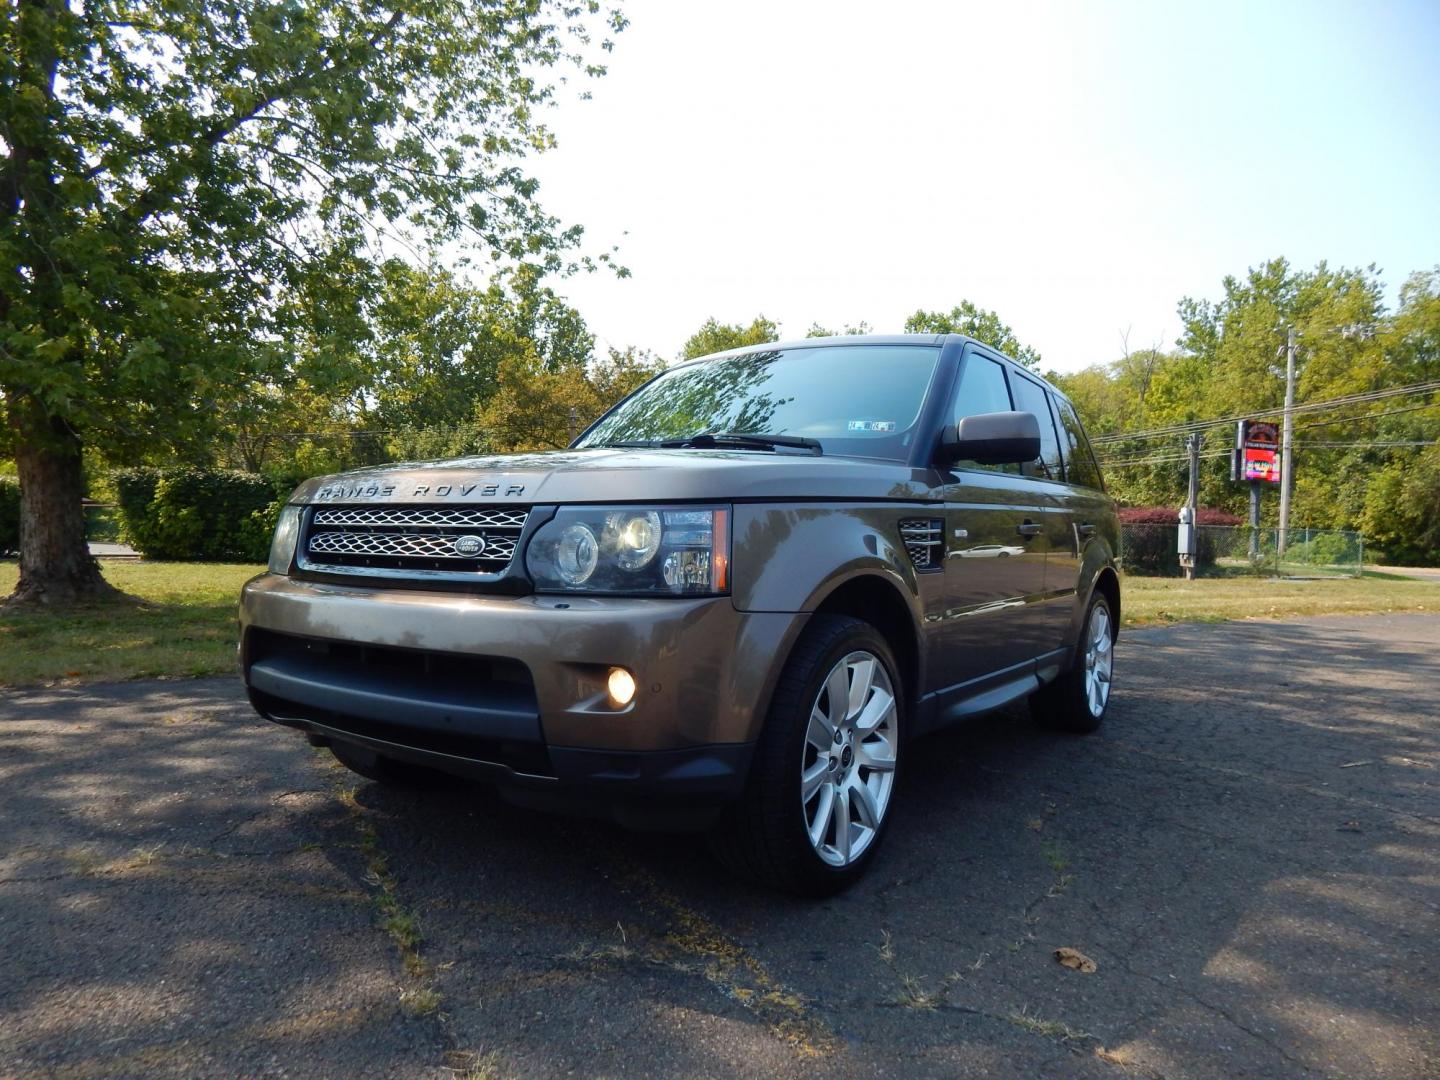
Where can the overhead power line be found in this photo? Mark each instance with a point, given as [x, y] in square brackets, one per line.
[1430, 387]
[1377, 445]
[1176, 458]
[1167, 459]
[1368, 416]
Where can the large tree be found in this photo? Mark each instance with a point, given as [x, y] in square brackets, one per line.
[174, 170]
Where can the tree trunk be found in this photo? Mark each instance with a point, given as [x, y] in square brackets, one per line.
[56, 567]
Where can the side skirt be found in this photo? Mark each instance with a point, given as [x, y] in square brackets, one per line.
[951, 705]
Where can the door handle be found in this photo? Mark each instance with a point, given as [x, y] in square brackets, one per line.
[1029, 528]
[1086, 529]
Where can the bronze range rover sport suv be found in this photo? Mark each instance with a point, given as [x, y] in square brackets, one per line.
[733, 604]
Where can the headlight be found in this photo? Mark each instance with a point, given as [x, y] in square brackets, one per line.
[577, 553]
[683, 551]
[287, 532]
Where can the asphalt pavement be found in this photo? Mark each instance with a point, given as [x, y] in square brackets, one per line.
[1249, 853]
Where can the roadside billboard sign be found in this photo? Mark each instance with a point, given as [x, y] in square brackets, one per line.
[1257, 452]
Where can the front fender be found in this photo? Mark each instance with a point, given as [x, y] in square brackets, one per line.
[789, 558]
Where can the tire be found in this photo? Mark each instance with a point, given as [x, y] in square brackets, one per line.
[1077, 701]
[375, 766]
[850, 776]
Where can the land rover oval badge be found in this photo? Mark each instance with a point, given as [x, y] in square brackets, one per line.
[469, 545]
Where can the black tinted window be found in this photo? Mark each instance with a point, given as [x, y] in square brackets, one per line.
[1031, 397]
[982, 390]
[1080, 466]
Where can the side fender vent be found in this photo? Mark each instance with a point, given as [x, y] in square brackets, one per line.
[924, 540]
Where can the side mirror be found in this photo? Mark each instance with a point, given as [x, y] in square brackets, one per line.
[1000, 438]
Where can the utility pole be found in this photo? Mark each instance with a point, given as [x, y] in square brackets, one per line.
[1287, 466]
[1188, 536]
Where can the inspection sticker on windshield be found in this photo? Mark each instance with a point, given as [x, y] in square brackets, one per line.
[871, 425]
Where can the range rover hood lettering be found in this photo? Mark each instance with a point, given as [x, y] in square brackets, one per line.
[617, 476]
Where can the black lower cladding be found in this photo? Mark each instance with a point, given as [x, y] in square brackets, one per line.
[473, 707]
[467, 711]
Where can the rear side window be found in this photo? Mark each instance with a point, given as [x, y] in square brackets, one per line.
[1080, 465]
[1031, 397]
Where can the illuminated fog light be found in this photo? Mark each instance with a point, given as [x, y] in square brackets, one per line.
[621, 685]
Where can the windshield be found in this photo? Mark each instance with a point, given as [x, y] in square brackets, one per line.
[861, 400]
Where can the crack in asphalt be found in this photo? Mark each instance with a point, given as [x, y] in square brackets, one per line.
[1176, 986]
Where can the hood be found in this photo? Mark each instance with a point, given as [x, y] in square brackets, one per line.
[623, 475]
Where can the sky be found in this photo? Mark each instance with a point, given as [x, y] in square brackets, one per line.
[1076, 167]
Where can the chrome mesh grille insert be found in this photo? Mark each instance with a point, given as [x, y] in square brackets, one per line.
[412, 517]
[923, 539]
[415, 545]
[456, 542]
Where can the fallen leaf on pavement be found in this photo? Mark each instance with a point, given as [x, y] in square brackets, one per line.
[1074, 958]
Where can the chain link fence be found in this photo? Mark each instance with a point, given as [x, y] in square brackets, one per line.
[1234, 550]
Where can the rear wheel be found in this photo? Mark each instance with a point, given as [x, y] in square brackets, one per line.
[823, 777]
[1077, 700]
[376, 766]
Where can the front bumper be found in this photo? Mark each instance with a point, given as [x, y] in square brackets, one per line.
[512, 689]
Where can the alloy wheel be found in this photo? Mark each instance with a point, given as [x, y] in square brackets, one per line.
[847, 770]
[1099, 660]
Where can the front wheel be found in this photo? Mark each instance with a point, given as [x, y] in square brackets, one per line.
[1077, 700]
[823, 777]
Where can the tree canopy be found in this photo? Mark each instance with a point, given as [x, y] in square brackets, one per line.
[715, 336]
[982, 325]
[187, 185]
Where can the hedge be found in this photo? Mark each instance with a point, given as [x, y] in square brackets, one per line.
[197, 514]
[1149, 534]
[9, 516]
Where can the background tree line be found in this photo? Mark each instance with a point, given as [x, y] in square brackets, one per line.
[429, 365]
[1371, 466]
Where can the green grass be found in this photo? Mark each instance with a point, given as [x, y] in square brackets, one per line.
[1164, 600]
[186, 626]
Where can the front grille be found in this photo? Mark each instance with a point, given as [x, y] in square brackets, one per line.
[408, 545]
[923, 539]
[459, 541]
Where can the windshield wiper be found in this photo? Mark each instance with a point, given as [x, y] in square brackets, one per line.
[632, 444]
[744, 439]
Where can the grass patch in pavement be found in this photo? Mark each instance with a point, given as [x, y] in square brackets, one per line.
[185, 626]
[186, 623]
[1145, 600]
